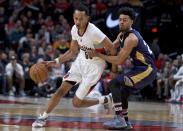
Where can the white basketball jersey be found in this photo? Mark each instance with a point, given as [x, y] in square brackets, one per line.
[90, 39]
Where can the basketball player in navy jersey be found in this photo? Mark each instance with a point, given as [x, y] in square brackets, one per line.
[143, 73]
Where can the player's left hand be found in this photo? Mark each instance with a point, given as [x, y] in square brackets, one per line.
[91, 53]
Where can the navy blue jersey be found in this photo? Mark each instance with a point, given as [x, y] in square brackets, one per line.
[141, 54]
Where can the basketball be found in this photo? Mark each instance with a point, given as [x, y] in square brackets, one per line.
[39, 72]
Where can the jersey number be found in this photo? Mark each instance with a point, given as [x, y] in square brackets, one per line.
[148, 48]
[86, 55]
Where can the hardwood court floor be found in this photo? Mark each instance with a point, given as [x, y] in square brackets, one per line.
[17, 114]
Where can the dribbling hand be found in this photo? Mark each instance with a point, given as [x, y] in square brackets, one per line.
[50, 63]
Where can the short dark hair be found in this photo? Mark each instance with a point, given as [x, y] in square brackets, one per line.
[82, 7]
[127, 11]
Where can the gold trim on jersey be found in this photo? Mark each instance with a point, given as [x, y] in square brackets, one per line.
[140, 57]
[137, 78]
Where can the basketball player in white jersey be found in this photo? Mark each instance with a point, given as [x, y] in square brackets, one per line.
[86, 71]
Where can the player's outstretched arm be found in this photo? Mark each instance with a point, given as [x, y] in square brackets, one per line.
[130, 42]
[72, 52]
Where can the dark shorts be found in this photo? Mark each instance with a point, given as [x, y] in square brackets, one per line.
[137, 78]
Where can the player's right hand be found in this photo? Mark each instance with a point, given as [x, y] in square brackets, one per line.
[50, 63]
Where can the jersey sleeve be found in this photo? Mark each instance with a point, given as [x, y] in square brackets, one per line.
[97, 35]
[73, 33]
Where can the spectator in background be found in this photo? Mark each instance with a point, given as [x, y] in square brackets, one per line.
[61, 5]
[137, 3]
[160, 62]
[26, 64]
[63, 27]
[2, 79]
[31, 20]
[15, 36]
[40, 19]
[179, 59]
[66, 29]
[49, 53]
[15, 76]
[177, 91]
[10, 26]
[25, 44]
[61, 44]
[162, 80]
[2, 75]
[43, 33]
[174, 68]
[3, 58]
[49, 22]
[2, 26]
[42, 47]
[11, 53]
[155, 47]
[34, 54]
[61, 20]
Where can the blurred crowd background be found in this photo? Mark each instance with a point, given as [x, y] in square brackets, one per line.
[35, 30]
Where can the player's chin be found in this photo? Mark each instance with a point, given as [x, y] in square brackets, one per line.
[121, 29]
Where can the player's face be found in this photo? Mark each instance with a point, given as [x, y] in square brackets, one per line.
[125, 23]
[80, 19]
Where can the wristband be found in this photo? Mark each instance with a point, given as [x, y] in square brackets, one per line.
[57, 60]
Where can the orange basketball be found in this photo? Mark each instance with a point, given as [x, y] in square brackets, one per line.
[39, 72]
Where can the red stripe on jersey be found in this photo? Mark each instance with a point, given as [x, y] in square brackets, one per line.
[101, 50]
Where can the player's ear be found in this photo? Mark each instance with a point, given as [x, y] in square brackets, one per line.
[132, 22]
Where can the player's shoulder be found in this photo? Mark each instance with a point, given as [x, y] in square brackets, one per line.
[91, 26]
[93, 29]
[132, 36]
[74, 28]
[132, 39]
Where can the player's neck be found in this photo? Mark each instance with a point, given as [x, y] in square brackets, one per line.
[124, 31]
[82, 30]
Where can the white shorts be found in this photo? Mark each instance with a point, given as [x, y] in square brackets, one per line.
[85, 73]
